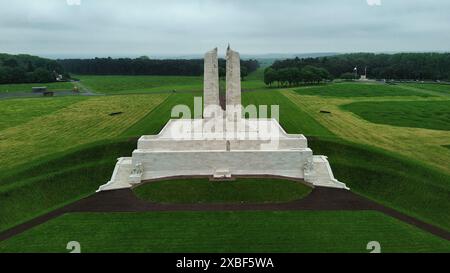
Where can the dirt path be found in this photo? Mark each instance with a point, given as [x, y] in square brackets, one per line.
[320, 199]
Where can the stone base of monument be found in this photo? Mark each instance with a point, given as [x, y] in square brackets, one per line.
[254, 147]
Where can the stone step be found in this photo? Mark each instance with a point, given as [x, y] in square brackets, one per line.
[120, 176]
[323, 174]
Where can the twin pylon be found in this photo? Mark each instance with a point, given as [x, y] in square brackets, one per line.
[211, 87]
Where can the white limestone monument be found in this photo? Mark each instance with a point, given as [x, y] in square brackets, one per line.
[223, 144]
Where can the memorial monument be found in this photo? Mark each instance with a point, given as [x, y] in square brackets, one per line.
[223, 144]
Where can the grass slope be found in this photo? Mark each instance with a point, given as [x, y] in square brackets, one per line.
[421, 114]
[394, 181]
[292, 118]
[193, 191]
[226, 232]
[42, 186]
[346, 90]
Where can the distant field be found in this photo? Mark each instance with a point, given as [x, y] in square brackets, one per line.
[140, 84]
[421, 114]
[226, 232]
[346, 90]
[149, 84]
[26, 87]
[441, 88]
[197, 191]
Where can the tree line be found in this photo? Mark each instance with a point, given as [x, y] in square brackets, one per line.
[28, 69]
[401, 66]
[146, 66]
[294, 76]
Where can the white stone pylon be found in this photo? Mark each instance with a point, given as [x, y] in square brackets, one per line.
[211, 81]
[233, 89]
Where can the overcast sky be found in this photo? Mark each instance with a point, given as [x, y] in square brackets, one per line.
[182, 27]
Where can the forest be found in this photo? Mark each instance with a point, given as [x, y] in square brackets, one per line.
[401, 66]
[28, 69]
[146, 66]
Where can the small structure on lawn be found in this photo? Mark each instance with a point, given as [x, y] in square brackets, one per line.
[39, 89]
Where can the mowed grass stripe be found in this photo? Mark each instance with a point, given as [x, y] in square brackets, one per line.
[80, 123]
[155, 120]
[226, 232]
[14, 112]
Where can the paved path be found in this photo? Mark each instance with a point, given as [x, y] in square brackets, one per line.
[320, 199]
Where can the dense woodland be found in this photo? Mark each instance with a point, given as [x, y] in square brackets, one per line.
[146, 66]
[402, 66]
[28, 69]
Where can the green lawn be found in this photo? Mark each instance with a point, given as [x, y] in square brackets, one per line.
[346, 90]
[226, 232]
[422, 114]
[26, 87]
[403, 184]
[194, 191]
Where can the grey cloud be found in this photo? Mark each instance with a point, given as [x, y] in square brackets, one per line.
[180, 27]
